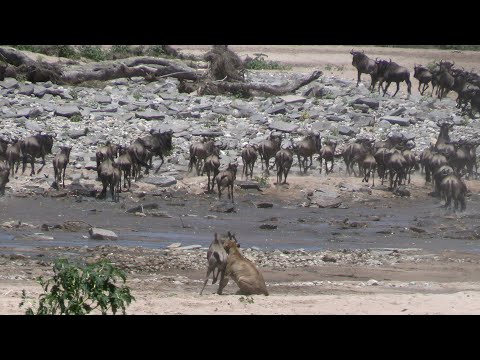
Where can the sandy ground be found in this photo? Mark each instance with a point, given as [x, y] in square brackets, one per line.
[448, 285]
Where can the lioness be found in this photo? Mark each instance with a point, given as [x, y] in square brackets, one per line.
[242, 271]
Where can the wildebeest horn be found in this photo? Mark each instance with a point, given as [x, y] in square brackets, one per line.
[363, 51]
[54, 135]
[351, 51]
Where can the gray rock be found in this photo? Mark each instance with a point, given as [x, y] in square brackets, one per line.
[75, 134]
[283, 126]
[103, 99]
[222, 110]
[257, 118]
[9, 83]
[362, 107]
[150, 115]
[363, 120]
[396, 120]
[335, 118]
[292, 99]
[371, 103]
[162, 181]
[67, 111]
[401, 191]
[278, 109]
[397, 112]
[348, 131]
[26, 89]
[102, 234]
[384, 124]
[34, 126]
[39, 91]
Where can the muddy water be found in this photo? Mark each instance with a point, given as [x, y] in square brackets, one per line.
[370, 222]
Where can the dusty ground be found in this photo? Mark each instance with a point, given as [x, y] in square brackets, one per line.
[424, 280]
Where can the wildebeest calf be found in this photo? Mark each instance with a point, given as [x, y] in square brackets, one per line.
[4, 177]
[217, 260]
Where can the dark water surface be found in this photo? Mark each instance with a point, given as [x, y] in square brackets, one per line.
[376, 223]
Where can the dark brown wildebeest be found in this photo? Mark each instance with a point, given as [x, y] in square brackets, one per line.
[311, 144]
[226, 179]
[283, 162]
[365, 65]
[392, 72]
[4, 177]
[14, 154]
[60, 162]
[452, 187]
[268, 148]
[36, 146]
[249, 157]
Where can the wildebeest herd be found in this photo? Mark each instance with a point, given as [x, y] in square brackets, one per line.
[394, 159]
[441, 75]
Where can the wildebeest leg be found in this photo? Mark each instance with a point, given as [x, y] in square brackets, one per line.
[398, 87]
[223, 282]
[206, 280]
[267, 164]
[63, 179]
[299, 162]
[331, 167]
[159, 166]
[231, 190]
[358, 79]
[373, 177]
[386, 88]
[285, 174]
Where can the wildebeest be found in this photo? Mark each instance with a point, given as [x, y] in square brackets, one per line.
[199, 152]
[14, 154]
[268, 148]
[241, 270]
[327, 154]
[424, 77]
[452, 187]
[217, 260]
[107, 151]
[3, 148]
[226, 179]
[445, 78]
[283, 162]
[369, 165]
[60, 162]
[305, 148]
[36, 146]
[249, 157]
[355, 153]
[110, 176]
[158, 144]
[126, 162]
[392, 72]
[4, 177]
[211, 167]
[364, 65]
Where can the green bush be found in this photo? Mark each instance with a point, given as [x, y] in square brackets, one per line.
[93, 52]
[80, 289]
[259, 63]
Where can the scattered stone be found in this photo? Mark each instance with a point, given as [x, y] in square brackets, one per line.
[102, 234]
[396, 120]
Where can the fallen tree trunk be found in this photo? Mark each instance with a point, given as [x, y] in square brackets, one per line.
[221, 87]
[151, 68]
